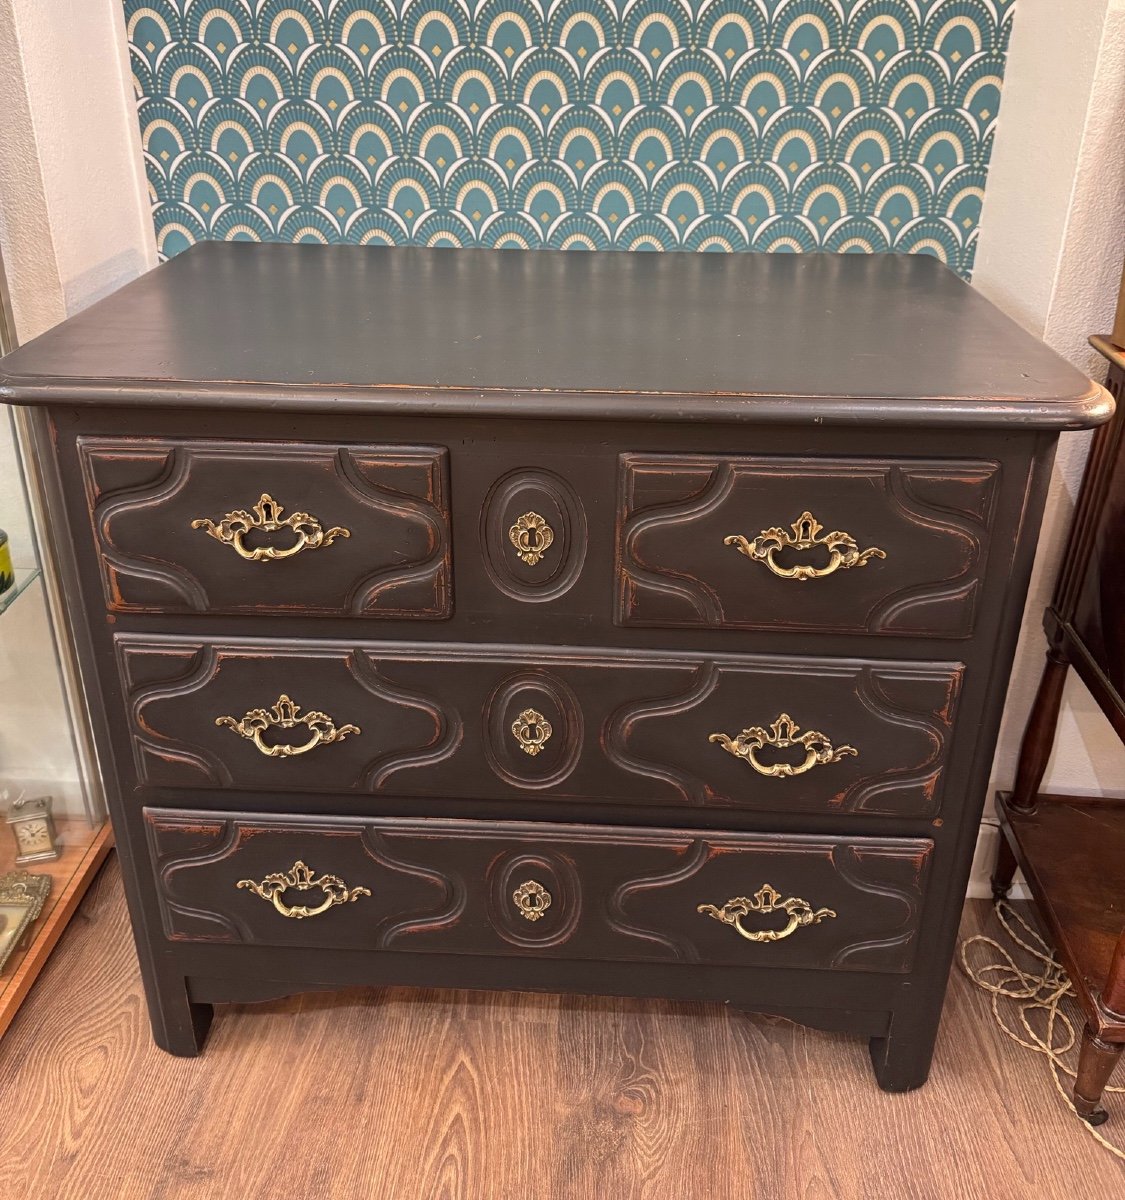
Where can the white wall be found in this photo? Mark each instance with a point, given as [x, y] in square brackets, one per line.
[75, 221]
[1051, 247]
[74, 213]
[74, 225]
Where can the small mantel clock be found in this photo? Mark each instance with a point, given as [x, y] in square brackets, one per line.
[34, 829]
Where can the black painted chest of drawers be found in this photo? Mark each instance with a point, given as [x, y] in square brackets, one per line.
[597, 623]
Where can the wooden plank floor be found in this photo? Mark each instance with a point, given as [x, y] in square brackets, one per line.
[410, 1095]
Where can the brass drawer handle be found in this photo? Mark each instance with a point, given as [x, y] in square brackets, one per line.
[532, 899]
[287, 715]
[766, 900]
[843, 552]
[266, 518]
[783, 734]
[532, 730]
[299, 878]
[531, 536]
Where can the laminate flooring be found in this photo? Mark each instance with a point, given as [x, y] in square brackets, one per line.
[438, 1095]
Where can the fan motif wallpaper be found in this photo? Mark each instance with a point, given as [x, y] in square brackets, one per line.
[776, 125]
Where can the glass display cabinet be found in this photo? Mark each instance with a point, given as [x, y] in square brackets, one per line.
[53, 832]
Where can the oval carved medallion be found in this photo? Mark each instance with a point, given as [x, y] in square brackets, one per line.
[534, 898]
[533, 535]
[532, 730]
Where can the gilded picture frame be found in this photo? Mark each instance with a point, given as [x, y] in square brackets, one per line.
[22, 896]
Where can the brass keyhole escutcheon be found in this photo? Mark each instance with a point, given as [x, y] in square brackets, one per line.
[531, 536]
[532, 899]
[532, 730]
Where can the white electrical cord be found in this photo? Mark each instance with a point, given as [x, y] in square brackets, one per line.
[1039, 989]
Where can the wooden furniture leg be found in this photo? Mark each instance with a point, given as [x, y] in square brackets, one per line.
[1005, 870]
[902, 1058]
[1039, 736]
[1035, 753]
[1099, 1056]
[1095, 1065]
[179, 1024]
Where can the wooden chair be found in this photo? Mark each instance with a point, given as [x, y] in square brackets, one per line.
[1071, 848]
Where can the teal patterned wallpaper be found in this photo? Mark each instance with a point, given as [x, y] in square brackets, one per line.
[775, 125]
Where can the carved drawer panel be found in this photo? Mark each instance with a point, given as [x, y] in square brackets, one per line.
[756, 733]
[877, 546]
[298, 528]
[557, 891]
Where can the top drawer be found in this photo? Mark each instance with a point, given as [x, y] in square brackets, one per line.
[270, 527]
[881, 546]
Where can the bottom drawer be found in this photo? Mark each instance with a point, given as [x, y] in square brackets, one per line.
[594, 893]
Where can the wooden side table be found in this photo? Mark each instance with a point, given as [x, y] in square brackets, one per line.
[1072, 848]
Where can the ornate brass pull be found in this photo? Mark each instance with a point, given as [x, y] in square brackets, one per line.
[300, 878]
[287, 715]
[532, 899]
[531, 536]
[783, 734]
[843, 552]
[266, 518]
[532, 730]
[766, 900]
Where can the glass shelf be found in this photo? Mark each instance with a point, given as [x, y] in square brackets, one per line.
[25, 577]
[40, 697]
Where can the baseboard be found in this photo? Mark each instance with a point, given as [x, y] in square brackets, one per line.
[984, 858]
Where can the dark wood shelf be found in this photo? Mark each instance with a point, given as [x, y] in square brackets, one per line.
[1071, 850]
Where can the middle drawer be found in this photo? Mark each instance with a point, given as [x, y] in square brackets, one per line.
[759, 733]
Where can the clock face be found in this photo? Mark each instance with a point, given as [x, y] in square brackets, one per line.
[33, 836]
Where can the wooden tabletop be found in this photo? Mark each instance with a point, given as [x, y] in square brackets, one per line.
[833, 339]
